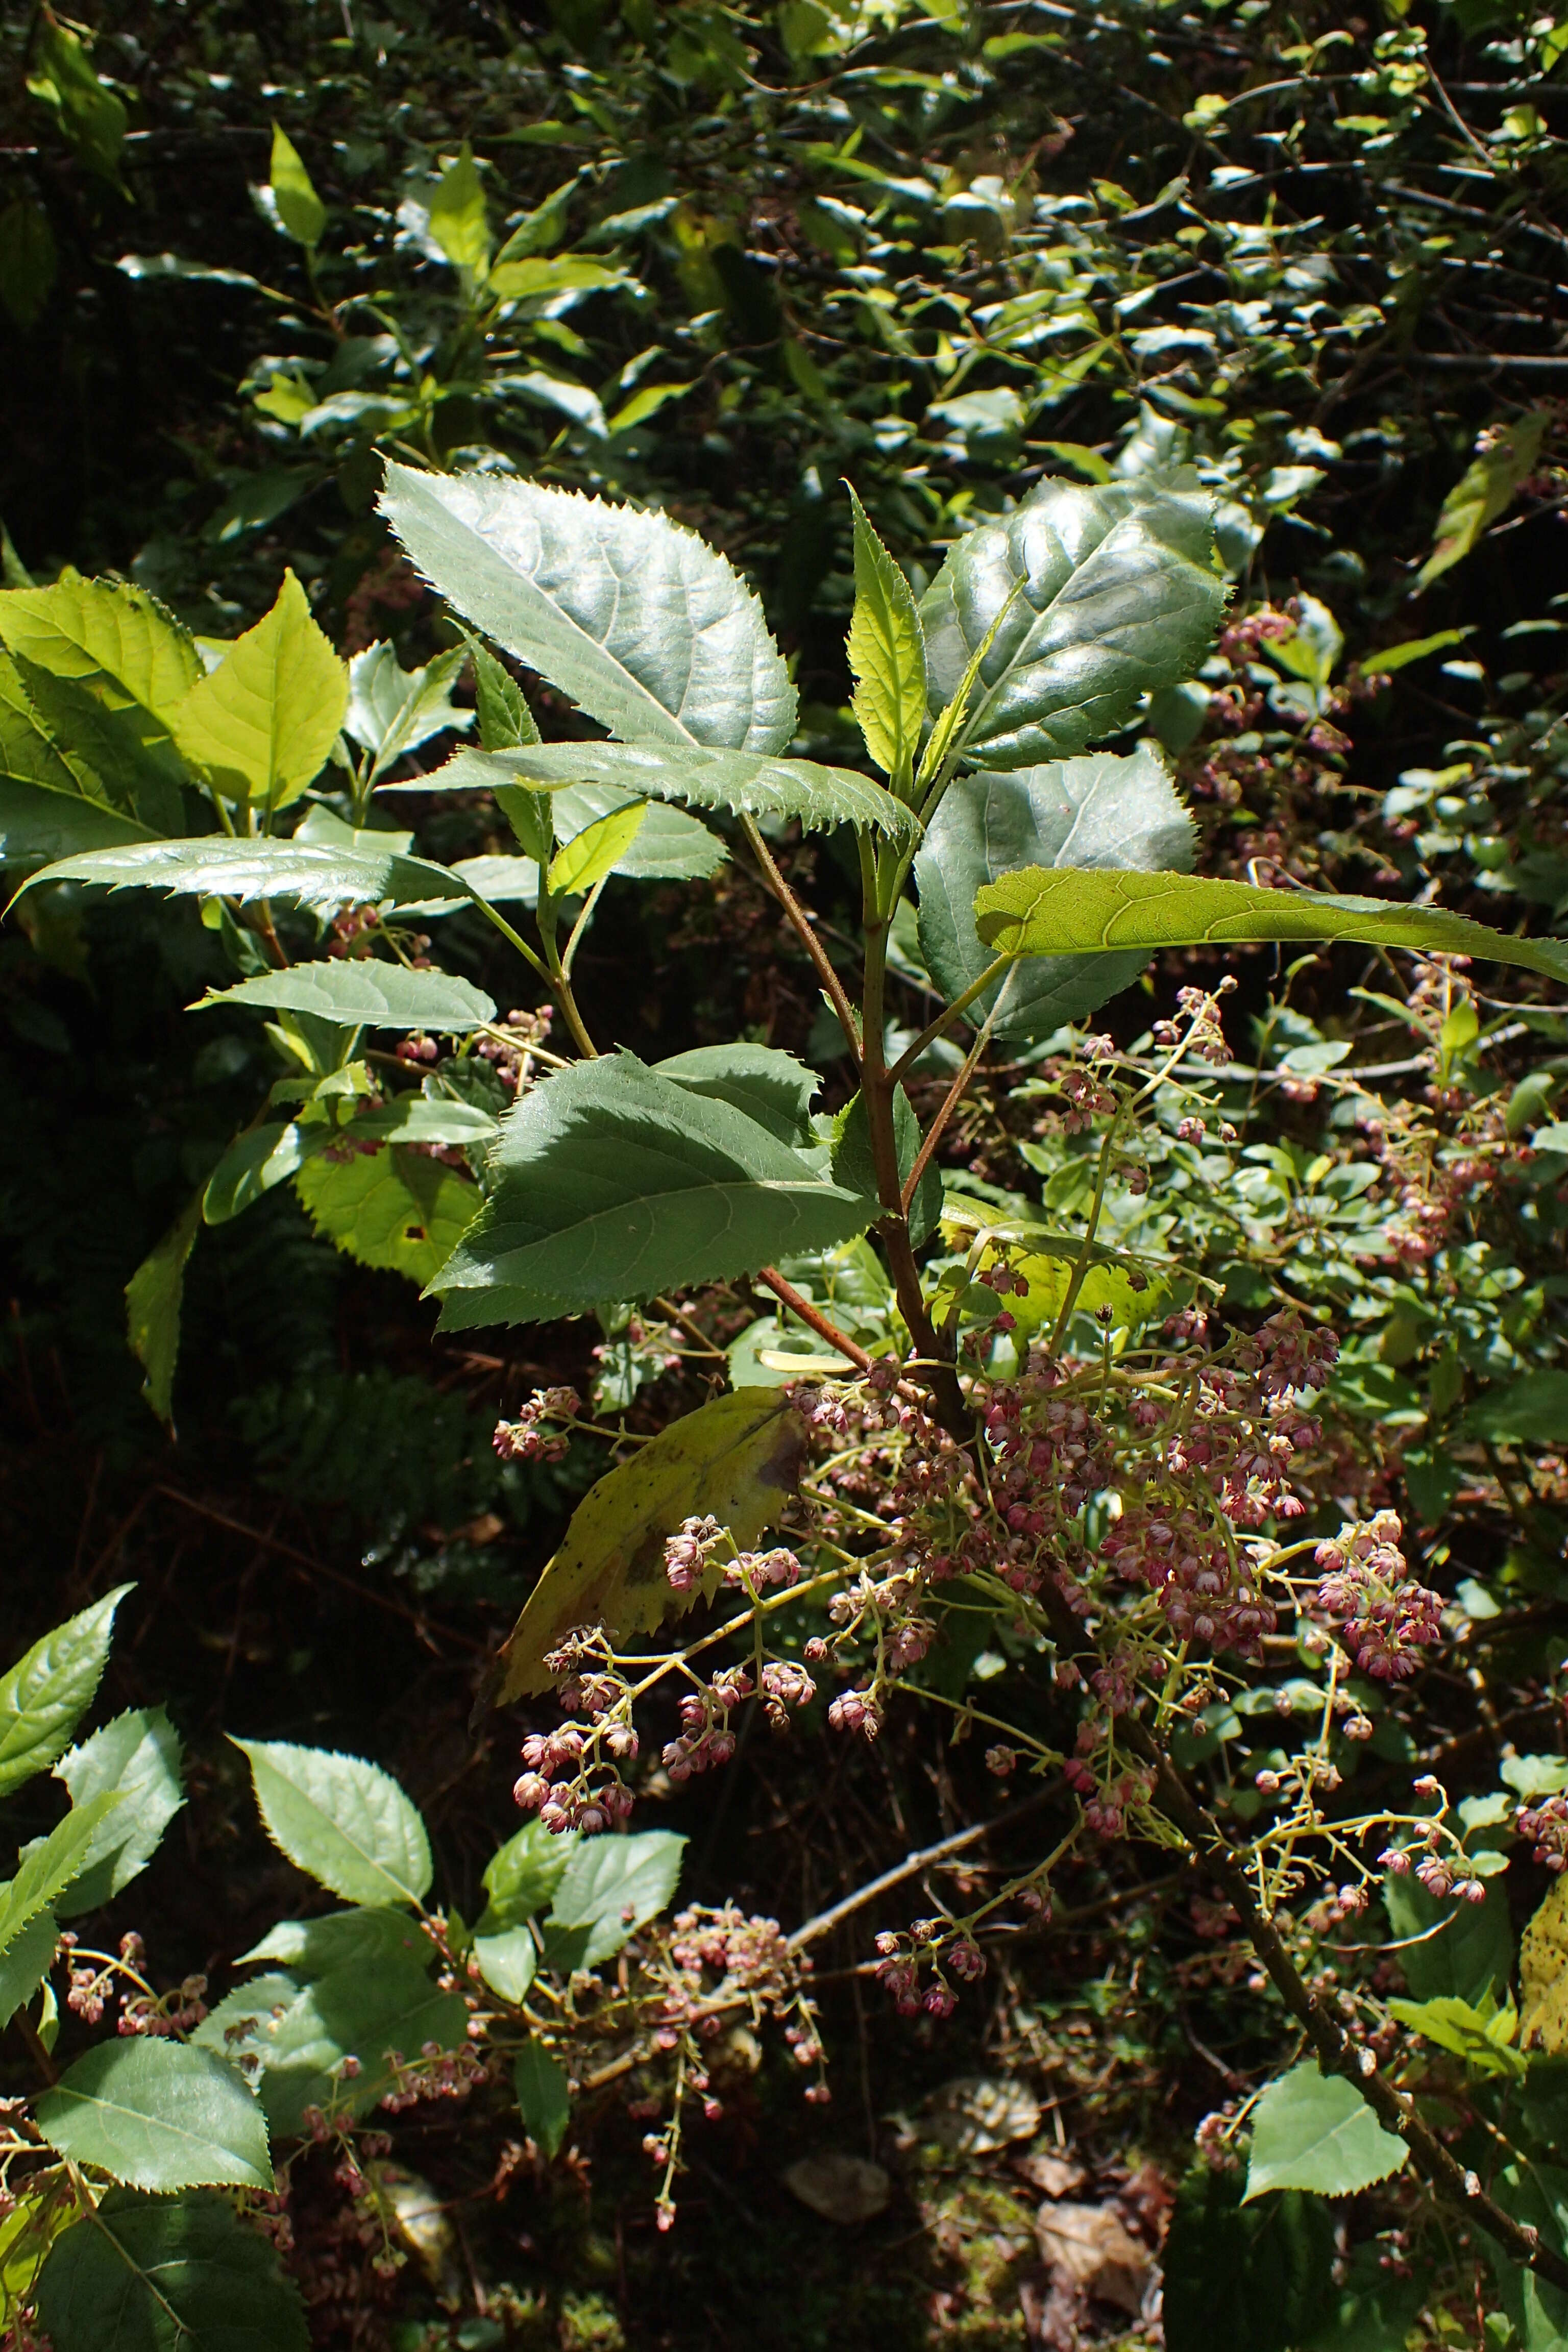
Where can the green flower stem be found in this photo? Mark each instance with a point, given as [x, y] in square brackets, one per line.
[934, 1029]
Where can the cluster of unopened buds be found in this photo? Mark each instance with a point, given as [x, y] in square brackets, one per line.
[509, 1055]
[351, 932]
[706, 1738]
[1197, 1026]
[557, 1783]
[435, 2074]
[527, 1439]
[91, 1980]
[929, 1944]
[176, 2013]
[1385, 1618]
[1440, 1873]
[1545, 1824]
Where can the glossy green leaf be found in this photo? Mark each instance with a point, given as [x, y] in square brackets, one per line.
[364, 992]
[611, 1887]
[262, 724]
[544, 2096]
[137, 1757]
[345, 1821]
[595, 852]
[257, 1161]
[25, 1962]
[217, 866]
[157, 2114]
[509, 1960]
[153, 1296]
[1036, 913]
[887, 654]
[398, 1210]
[161, 2275]
[1119, 597]
[46, 1694]
[633, 617]
[741, 781]
[300, 213]
[610, 1181]
[391, 711]
[769, 1086]
[1315, 2131]
[458, 221]
[109, 634]
[1100, 811]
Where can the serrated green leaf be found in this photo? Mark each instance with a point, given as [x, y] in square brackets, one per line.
[262, 724]
[126, 749]
[153, 1300]
[1118, 596]
[504, 717]
[137, 1756]
[609, 1181]
[345, 1821]
[161, 2275]
[738, 1457]
[364, 992]
[610, 1888]
[522, 1876]
[370, 1936]
[297, 2036]
[113, 636]
[393, 711]
[30, 752]
[1315, 2131]
[394, 1208]
[741, 782]
[887, 654]
[217, 866]
[769, 1086]
[543, 2098]
[458, 220]
[25, 1962]
[1037, 912]
[50, 1865]
[631, 615]
[46, 1694]
[39, 825]
[301, 211]
[158, 2115]
[667, 847]
[1101, 811]
[595, 852]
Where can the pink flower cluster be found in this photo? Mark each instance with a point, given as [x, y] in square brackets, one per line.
[1385, 1618]
[557, 1786]
[1546, 1826]
[525, 1439]
[706, 1738]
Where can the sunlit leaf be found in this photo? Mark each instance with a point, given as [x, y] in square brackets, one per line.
[345, 1821]
[157, 2116]
[262, 724]
[1315, 2131]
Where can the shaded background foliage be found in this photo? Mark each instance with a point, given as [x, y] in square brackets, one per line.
[939, 254]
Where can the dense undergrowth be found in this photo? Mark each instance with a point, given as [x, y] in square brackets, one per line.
[716, 263]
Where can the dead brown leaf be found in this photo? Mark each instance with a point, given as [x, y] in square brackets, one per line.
[1096, 2251]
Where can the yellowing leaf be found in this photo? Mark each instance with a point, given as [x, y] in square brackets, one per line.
[1483, 491]
[1543, 1977]
[736, 1457]
[301, 215]
[590, 855]
[263, 722]
[396, 1209]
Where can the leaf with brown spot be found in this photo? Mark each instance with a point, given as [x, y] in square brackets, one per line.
[736, 1457]
[1543, 1975]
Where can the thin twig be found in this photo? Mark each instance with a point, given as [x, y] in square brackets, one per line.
[801, 923]
[911, 1866]
[798, 1304]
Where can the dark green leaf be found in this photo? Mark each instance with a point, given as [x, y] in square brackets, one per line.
[157, 2114]
[26, 1961]
[1470, 1955]
[522, 1876]
[370, 1936]
[543, 2099]
[1530, 1410]
[769, 1086]
[167, 2275]
[1119, 597]
[610, 1181]
[365, 991]
[1258, 2278]
[153, 1300]
[855, 1167]
[378, 2014]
